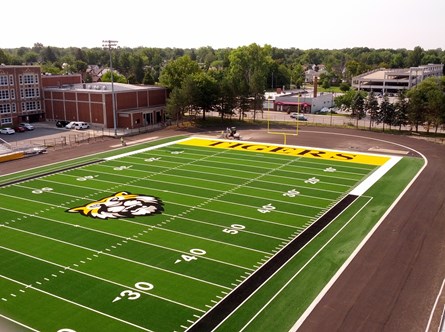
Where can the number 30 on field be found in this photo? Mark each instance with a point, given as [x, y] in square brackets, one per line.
[133, 295]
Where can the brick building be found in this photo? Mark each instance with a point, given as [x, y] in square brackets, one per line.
[21, 97]
[67, 98]
[28, 96]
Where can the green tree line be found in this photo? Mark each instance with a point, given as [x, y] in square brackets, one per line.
[233, 81]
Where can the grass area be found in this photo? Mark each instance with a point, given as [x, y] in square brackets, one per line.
[80, 252]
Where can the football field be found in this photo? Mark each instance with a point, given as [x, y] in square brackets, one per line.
[193, 234]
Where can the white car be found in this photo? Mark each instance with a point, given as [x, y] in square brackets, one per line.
[77, 125]
[27, 126]
[7, 131]
[298, 116]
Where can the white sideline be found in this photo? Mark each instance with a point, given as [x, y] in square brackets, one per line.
[144, 150]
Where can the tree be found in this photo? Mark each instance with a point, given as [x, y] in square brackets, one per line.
[401, 110]
[178, 104]
[248, 68]
[426, 102]
[227, 100]
[117, 78]
[372, 105]
[344, 86]
[435, 106]
[297, 75]
[385, 113]
[48, 55]
[203, 91]
[415, 57]
[3, 58]
[357, 107]
[176, 71]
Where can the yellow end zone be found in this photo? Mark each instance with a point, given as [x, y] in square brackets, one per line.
[304, 152]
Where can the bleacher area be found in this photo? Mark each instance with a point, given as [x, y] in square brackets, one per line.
[7, 152]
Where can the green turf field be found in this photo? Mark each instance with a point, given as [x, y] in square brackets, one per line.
[154, 237]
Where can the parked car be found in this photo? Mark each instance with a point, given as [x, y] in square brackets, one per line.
[62, 123]
[19, 129]
[7, 131]
[78, 125]
[298, 116]
[27, 125]
[324, 110]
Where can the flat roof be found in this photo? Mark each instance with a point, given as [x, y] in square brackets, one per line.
[103, 86]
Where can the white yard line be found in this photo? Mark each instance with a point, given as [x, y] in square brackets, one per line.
[105, 253]
[76, 304]
[99, 278]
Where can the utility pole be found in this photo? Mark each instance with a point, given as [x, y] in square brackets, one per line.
[110, 44]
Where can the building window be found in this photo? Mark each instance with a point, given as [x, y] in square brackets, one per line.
[28, 79]
[30, 106]
[12, 94]
[29, 93]
[6, 121]
[11, 80]
[5, 108]
[3, 80]
[4, 94]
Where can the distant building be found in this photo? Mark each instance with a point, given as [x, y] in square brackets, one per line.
[67, 98]
[304, 101]
[21, 97]
[314, 71]
[394, 80]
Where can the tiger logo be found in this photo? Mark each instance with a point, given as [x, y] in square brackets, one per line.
[121, 205]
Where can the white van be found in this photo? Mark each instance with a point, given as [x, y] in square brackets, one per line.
[78, 125]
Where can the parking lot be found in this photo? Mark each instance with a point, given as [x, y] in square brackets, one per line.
[47, 134]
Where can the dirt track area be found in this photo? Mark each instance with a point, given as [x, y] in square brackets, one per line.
[394, 282]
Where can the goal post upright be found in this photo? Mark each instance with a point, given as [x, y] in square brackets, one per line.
[277, 132]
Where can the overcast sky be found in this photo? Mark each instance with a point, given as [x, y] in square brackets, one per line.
[324, 24]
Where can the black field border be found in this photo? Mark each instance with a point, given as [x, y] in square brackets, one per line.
[217, 314]
[50, 173]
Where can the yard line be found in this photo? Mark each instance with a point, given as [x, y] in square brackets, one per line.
[18, 323]
[170, 202]
[225, 183]
[195, 236]
[77, 304]
[164, 229]
[220, 226]
[123, 237]
[323, 163]
[302, 185]
[238, 171]
[219, 191]
[220, 182]
[111, 255]
[209, 199]
[134, 240]
[101, 279]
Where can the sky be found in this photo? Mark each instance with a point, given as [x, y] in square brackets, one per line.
[322, 24]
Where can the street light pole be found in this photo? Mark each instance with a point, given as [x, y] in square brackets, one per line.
[111, 44]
